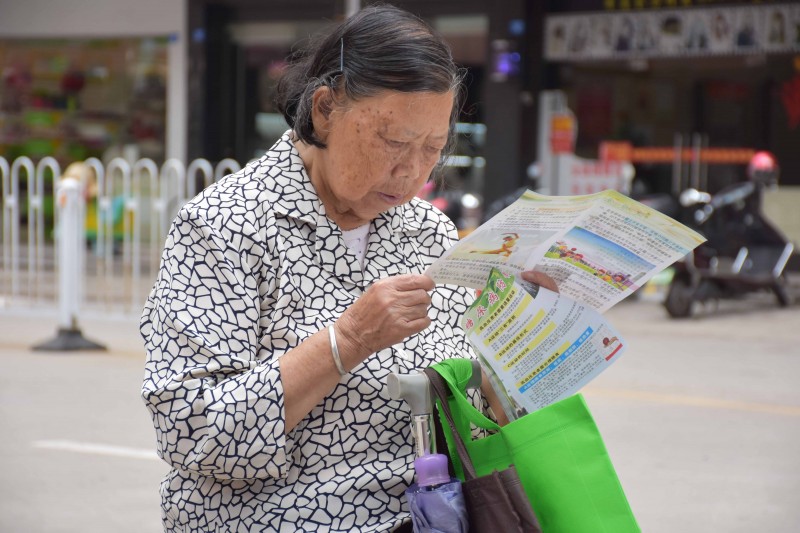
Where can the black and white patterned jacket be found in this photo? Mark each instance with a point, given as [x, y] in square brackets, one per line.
[251, 267]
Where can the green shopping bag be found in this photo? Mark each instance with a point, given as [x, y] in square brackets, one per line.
[558, 453]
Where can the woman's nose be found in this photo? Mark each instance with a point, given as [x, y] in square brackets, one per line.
[409, 165]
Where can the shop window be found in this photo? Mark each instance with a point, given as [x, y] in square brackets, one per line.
[77, 98]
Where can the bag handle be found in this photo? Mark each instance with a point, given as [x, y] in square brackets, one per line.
[442, 446]
[440, 390]
[464, 405]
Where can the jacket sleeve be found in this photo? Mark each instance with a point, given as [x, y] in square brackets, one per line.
[217, 409]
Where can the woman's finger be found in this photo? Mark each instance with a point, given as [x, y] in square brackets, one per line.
[541, 279]
[411, 282]
[414, 298]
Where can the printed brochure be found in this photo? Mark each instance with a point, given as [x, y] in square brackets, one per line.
[540, 345]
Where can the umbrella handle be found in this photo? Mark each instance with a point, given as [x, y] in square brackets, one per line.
[415, 390]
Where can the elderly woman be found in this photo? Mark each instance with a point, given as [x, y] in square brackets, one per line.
[290, 289]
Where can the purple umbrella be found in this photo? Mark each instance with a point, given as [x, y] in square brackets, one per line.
[436, 501]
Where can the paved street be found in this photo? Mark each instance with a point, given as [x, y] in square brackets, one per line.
[702, 419]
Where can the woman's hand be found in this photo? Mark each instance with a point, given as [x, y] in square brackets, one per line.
[391, 310]
[541, 279]
[388, 312]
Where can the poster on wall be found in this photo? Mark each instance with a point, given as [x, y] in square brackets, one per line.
[720, 30]
[673, 33]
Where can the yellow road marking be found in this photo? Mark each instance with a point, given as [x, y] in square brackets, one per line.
[694, 401]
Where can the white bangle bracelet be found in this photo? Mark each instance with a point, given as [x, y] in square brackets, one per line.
[335, 351]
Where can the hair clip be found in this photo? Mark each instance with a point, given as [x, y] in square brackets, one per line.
[341, 56]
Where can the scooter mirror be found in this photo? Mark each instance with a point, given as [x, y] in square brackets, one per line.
[691, 197]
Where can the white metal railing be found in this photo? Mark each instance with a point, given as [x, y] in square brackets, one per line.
[133, 206]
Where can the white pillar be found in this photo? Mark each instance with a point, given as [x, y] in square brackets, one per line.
[70, 247]
[68, 198]
[177, 96]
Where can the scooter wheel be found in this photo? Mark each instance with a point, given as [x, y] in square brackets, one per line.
[680, 298]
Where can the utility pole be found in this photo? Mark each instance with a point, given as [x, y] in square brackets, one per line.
[351, 7]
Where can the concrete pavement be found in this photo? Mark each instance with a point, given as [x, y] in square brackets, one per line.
[701, 417]
[78, 452]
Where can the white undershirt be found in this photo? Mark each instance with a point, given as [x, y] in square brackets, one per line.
[356, 239]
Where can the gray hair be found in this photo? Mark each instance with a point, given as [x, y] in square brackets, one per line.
[379, 48]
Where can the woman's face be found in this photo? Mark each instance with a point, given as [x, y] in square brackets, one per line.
[380, 152]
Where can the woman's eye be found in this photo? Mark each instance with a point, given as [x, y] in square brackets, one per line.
[394, 144]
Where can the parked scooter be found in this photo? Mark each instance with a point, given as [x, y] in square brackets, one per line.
[744, 252]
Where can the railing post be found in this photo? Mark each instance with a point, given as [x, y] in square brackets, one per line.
[9, 201]
[172, 168]
[156, 207]
[136, 205]
[205, 167]
[27, 164]
[124, 168]
[225, 167]
[55, 172]
[99, 236]
[149, 166]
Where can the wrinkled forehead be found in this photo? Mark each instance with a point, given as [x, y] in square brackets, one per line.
[409, 113]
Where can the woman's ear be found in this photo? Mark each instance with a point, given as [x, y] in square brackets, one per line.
[321, 110]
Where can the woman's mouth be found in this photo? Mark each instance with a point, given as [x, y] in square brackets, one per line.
[392, 199]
